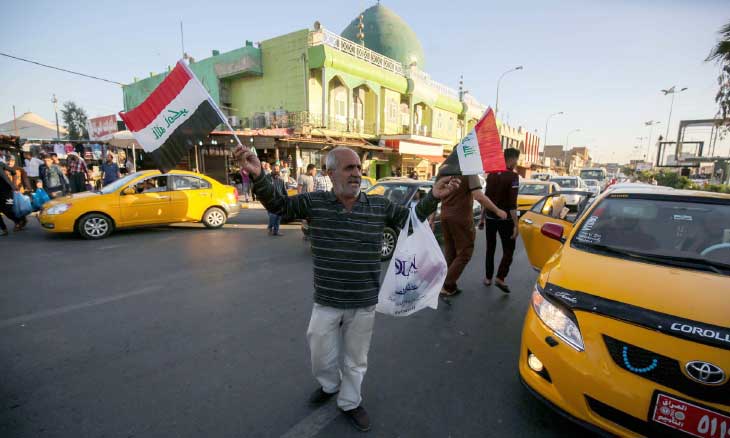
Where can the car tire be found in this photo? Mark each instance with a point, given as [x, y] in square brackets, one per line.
[214, 217]
[390, 238]
[94, 226]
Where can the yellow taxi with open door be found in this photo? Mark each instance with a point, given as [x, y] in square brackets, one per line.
[628, 327]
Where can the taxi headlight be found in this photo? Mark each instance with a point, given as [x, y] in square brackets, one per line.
[558, 320]
[58, 209]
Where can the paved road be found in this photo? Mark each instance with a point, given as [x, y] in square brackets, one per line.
[187, 332]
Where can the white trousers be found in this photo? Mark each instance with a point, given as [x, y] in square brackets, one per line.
[339, 341]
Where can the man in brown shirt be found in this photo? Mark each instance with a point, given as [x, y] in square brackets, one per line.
[502, 188]
[457, 224]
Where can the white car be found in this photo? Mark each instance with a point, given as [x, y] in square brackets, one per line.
[593, 185]
[571, 183]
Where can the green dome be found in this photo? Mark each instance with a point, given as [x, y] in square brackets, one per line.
[387, 34]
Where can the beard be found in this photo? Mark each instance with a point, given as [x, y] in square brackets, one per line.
[348, 189]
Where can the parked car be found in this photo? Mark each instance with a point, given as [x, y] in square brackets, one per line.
[531, 191]
[628, 332]
[571, 183]
[405, 192]
[142, 198]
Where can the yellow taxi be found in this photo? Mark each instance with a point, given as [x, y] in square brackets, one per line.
[140, 199]
[628, 327]
[531, 191]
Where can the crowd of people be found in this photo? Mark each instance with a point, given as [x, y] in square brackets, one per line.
[44, 177]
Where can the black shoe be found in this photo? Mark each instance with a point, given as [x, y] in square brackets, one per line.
[503, 287]
[319, 397]
[359, 418]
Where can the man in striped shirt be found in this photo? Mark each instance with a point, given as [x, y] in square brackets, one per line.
[346, 229]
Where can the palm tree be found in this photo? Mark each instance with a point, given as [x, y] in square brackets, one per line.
[721, 54]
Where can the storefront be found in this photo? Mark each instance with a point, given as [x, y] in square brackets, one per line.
[411, 157]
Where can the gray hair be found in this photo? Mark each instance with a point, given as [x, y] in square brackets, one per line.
[332, 157]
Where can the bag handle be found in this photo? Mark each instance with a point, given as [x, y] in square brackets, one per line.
[404, 231]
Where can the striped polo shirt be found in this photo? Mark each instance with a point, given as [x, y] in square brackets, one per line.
[345, 244]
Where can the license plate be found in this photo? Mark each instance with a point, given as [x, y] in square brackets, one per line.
[690, 418]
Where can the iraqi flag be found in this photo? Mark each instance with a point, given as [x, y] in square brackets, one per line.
[177, 115]
[479, 152]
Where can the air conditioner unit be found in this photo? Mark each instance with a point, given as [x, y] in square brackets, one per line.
[234, 121]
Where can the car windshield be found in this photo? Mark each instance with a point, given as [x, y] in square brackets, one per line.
[592, 174]
[398, 194]
[118, 184]
[678, 233]
[591, 183]
[566, 183]
[533, 189]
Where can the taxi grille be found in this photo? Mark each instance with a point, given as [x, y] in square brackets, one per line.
[664, 371]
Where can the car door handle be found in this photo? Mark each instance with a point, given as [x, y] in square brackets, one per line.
[163, 197]
[528, 221]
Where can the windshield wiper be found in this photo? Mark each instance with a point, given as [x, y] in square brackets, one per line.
[684, 262]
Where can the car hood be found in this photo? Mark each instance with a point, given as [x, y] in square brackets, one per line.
[523, 200]
[695, 295]
[72, 198]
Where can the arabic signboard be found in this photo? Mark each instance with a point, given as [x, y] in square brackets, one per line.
[101, 126]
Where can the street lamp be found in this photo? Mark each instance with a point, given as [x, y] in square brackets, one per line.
[671, 91]
[544, 138]
[55, 110]
[496, 104]
[567, 145]
[650, 124]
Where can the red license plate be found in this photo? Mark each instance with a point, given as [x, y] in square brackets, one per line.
[690, 418]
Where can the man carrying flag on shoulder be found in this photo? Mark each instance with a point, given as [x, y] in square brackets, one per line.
[346, 230]
[479, 152]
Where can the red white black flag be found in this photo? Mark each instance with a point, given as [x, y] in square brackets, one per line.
[177, 115]
[479, 152]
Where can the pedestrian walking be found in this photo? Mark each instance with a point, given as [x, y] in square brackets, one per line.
[78, 173]
[502, 188]
[305, 184]
[322, 182]
[457, 225]
[7, 191]
[245, 185]
[20, 177]
[346, 229]
[109, 171]
[32, 165]
[285, 171]
[54, 181]
[280, 190]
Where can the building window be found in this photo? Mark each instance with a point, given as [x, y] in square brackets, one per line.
[440, 120]
[392, 111]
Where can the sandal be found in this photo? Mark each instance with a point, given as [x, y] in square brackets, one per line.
[445, 293]
[487, 282]
[503, 287]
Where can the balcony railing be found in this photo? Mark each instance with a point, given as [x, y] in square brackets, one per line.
[325, 37]
[415, 73]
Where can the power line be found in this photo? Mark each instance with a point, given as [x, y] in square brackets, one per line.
[61, 69]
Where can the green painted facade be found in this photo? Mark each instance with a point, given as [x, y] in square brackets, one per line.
[242, 62]
[283, 84]
[334, 91]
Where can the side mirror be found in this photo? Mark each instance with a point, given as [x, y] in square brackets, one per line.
[553, 231]
[129, 191]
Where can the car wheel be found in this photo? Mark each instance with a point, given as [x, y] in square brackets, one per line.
[95, 226]
[214, 217]
[389, 241]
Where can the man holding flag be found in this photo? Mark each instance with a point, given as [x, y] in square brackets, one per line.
[346, 230]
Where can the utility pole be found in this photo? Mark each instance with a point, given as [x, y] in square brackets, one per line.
[15, 125]
[55, 110]
[496, 104]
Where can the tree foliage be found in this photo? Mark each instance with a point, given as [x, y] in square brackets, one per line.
[74, 120]
[721, 54]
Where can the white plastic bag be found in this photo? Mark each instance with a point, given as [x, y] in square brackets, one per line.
[416, 272]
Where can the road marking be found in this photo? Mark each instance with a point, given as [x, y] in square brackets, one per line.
[312, 424]
[241, 226]
[70, 308]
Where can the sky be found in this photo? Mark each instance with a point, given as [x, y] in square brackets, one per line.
[603, 63]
